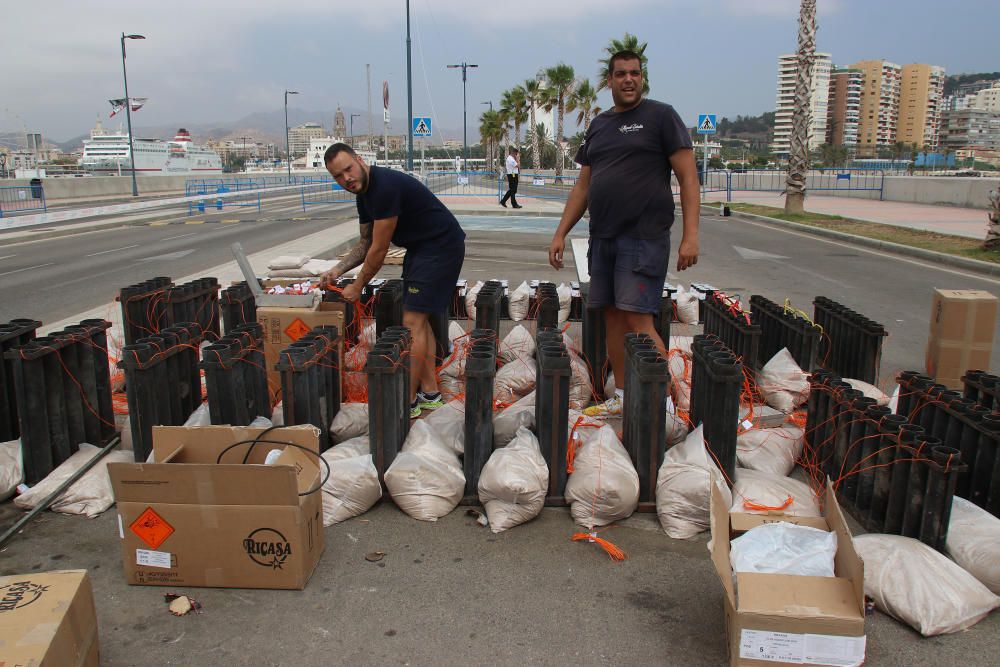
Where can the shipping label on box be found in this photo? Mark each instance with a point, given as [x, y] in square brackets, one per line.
[961, 334]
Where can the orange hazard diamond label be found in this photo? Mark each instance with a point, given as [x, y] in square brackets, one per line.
[297, 329]
[151, 528]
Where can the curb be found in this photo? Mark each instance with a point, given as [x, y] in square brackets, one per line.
[978, 266]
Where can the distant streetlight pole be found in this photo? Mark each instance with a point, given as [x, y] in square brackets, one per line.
[353, 116]
[465, 122]
[288, 154]
[409, 96]
[128, 113]
[490, 102]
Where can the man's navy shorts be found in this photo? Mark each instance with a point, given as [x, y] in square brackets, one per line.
[429, 276]
[628, 273]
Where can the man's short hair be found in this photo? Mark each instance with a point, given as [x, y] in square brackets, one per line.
[513, 149]
[335, 150]
[626, 54]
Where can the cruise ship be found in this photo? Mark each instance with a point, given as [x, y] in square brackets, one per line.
[107, 153]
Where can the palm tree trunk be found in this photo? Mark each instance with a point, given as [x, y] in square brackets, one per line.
[535, 147]
[559, 142]
[798, 155]
[517, 134]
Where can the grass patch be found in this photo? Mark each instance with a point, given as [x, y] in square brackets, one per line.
[917, 238]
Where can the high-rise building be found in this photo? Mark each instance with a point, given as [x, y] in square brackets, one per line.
[819, 95]
[921, 93]
[878, 120]
[987, 99]
[844, 108]
[299, 136]
[339, 124]
[970, 129]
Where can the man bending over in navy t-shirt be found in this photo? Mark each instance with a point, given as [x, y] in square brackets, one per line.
[395, 207]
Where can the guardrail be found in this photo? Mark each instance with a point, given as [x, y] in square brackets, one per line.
[461, 183]
[817, 180]
[320, 191]
[22, 199]
[538, 186]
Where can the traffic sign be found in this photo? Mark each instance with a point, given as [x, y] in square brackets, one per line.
[422, 126]
[706, 123]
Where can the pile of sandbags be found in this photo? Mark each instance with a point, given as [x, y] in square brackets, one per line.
[426, 479]
[451, 374]
[352, 487]
[448, 423]
[684, 487]
[518, 302]
[88, 496]
[351, 421]
[771, 450]
[604, 486]
[507, 422]
[513, 482]
[298, 266]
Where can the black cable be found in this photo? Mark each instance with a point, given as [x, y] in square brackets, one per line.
[259, 440]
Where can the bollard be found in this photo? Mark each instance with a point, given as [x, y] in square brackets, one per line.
[552, 409]
[480, 371]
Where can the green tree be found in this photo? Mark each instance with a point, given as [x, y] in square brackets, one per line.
[627, 43]
[516, 107]
[546, 156]
[533, 96]
[561, 79]
[584, 100]
[490, 133]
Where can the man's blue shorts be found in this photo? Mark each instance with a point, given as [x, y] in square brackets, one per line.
[628, 273]
[429, 276]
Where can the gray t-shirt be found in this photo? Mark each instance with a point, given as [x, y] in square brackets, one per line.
[629, 158]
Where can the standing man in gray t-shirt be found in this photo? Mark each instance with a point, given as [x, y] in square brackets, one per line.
[626, 160]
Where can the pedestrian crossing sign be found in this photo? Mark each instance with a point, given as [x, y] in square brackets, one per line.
[422, 126]
[706, 123]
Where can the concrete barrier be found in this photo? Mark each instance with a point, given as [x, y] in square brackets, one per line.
[86, 187]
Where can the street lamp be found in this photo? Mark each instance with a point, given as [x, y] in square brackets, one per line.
[465, 122]
[288, 154]
[353, 116]
[490, 102]
[128, 112]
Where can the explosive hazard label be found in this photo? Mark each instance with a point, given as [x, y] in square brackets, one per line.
[151, 528]
[297, 329]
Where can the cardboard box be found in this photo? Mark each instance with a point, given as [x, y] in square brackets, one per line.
[190, 521]
[283, 325]
[961, 334]
[774, 619]
[48, 618]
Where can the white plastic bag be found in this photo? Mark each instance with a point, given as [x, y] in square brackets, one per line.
[684, 487]
[785, 386]
[350, 422]
[513, 482]
[687, 306]
[565, 293]
[604, 486]
[470, 299]
[426, 479]
[784, 548]
[514, 381]
[448, 422]
[278, 414]
[353, 486]
[869, 390]
[11, 468]
[771, 450]
[518, 344]
[518, 302]
[753, 491]
[90, 495]
[974, 542]
[507, 422]
[915, 584]
[200, 416]
[288, 262]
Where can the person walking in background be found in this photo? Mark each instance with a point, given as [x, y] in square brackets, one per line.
[626, 160]
[394, 206]
[513, 172]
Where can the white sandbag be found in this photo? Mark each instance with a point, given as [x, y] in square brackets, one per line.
[448, 422]
[426, 479]
[609, 385]
[680, 380]
[754, 490]
[260, 422]
[507, 422]
[124, 425]
[318, 267]
[470, 299]
[677, 428]
[353, 486]
[784, 548]
[11, 468]
[513, 482]
[278, 414]
[518, 344]
[771, 450]
[869, 390]
[518, 302]
[200, 416]
[604, 486]
[974, 542]
[687, 306]
[288, 262]
[367, 337]
[514, 380]
[89, 496]
[684, 487]
[581, 392]
[915, 584]
[682, 343]
[785, 386]
[350, 422]
[572, 344]
[451, 388]
[565, 293]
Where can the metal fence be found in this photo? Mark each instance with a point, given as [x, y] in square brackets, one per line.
[538, 186]
[461, 183]
[317, 191]
[22, 199]
[817, 180]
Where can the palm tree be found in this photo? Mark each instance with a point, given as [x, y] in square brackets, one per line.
[584, 98]
[626, 43]
[490, 132]
[517, 108]
[798, 153]
[533, 95]
[561, 79]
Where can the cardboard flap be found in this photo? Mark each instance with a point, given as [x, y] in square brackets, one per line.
[801, 597]
[744, 521]
[847, 562]
[719, 510]
[307, 468]
[205, 444]
[204, 484]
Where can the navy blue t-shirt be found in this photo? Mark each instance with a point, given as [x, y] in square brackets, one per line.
[628, 154]
[421, 217]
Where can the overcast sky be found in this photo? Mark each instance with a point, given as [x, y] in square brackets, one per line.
[218, 60]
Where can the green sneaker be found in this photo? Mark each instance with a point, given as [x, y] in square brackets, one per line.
[429, 401]
[414, 411]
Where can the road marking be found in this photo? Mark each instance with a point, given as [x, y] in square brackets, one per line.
[159, 223]
[300, 219]
[194, 222]
[750, 253]
[230, 221]
[8, 256]
[167, 256]
[171, 238]
[27, 268]
[104, 252]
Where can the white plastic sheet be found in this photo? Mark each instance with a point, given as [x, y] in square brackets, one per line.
[784, 548]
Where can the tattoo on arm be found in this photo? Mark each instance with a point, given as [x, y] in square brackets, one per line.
[356, 255]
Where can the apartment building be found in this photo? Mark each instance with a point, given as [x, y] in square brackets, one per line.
[879, 116]
[300, 136]
[844, 107]
[971, 129]
[819, 97]
[921, 96]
